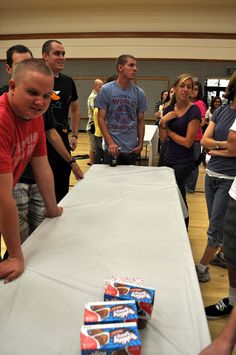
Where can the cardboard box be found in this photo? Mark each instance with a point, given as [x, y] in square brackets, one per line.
[144, 296]
[111, 339]
[110, 312]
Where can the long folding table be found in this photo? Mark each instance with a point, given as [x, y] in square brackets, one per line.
[118, 221]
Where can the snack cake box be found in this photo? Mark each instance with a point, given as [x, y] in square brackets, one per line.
[110, 312]
[144, 296]
[110, 339]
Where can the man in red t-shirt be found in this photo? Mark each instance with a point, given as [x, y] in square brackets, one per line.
[22, 140]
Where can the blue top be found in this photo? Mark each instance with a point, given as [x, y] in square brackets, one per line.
[223, 118]
[122, 106]
[176, 153]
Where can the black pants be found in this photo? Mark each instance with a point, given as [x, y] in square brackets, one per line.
[61, 172]
[182, 172]
[122, 159]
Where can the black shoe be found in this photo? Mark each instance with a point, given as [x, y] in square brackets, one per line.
[218, 310]
[218, 260]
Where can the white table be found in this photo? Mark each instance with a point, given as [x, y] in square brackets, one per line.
[151, 139]
[124, 221]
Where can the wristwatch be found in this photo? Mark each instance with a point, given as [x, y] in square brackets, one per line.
[217, 145]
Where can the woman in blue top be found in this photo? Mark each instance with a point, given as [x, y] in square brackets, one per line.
[220, 174]
[178, 128]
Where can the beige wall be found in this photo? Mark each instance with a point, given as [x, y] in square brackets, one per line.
[149, 16]
[211, 49]
[198, 16]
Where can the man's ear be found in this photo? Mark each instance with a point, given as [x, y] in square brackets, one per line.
[44, 55]
[120, 66]
[12, 85]
[8, 69]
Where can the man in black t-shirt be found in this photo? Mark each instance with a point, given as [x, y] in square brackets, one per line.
[65, 99]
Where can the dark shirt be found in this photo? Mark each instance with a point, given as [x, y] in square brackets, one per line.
[4, 89]
[65, 89]
[223, 118]
[176, 153]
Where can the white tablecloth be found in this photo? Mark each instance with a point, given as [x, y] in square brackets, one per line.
[151, 139]
[124, 221]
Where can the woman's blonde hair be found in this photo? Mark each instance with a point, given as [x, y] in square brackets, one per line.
[178, 82]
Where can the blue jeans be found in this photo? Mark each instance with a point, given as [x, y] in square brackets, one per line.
[217, 197]
[229, 234]
[192, 179]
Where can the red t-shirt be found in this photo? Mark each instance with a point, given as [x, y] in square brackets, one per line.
[19, 140]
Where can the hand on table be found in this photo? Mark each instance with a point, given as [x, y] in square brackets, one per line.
[11, 268]
[54, 213]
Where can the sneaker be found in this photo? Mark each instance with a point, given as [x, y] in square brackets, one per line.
[203, 276]
[218, 310]
[218, 260]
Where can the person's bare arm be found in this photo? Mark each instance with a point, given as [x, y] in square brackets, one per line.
[231, 142]
[13, 266]
[141, 130]
[113, 148]
[224, 343]
[163, 132]
[75, 122]
[208, 141]
[45, 181]
[188, 140]
[230, 150]
[55, 139]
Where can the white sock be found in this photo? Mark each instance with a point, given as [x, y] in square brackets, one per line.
[201, 267]
[232, 296]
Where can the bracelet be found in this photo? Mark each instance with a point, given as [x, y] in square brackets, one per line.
[75, 136]
[71, 161]
[163, 127]
[218, 145]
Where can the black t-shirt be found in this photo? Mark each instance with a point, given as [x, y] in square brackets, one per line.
[4, 89]
[49, 120]
[65, 90]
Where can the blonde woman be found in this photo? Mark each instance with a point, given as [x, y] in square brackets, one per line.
[178, 128]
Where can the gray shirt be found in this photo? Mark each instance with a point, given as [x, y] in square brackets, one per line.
[122, 106]
[223, 118]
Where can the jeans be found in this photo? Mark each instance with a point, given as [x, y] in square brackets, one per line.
[217, 197]
[230, 234]
[192, 179]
